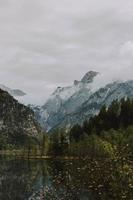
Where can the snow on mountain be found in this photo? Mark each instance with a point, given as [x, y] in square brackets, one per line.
[64, 101]
[13, 92]
[103, 96]
[74, 104]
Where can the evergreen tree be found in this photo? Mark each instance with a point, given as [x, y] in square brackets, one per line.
[75, 133]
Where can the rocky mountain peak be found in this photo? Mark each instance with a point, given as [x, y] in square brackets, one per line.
[73, 104]
[76, 82]
[89, 76]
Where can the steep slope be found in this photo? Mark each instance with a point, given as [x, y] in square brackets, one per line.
[65, 101]
[70, 105]
[104, 96]
[17, 123]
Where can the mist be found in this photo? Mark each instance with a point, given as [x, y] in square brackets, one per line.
[46, 44]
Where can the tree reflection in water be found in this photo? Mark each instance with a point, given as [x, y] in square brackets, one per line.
[68, 180]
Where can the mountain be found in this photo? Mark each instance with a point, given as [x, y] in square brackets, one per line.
[64, 101]
[91, 107]
[13, 92]
[70, 105]
[17, 122]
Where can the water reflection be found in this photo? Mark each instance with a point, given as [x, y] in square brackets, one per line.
[68, 180]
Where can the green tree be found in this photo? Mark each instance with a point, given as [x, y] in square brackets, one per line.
[76, 132]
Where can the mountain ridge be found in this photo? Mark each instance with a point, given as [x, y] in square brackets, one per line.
[57, 101]
[73, 104]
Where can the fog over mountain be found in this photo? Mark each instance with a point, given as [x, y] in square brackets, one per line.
[46, 44]
[13, 92]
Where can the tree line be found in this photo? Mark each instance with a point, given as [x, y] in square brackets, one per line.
[109, 133]
[118, 115]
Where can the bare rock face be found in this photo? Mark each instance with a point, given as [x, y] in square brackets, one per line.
[74, 104]
[17, 122]
[89, 76]
[64, 101]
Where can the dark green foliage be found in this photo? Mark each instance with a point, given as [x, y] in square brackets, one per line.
[126, 115]
[59, 142]
[108, 134]
[17, 123]
[76, 133]
[116, 116]
[85, 126]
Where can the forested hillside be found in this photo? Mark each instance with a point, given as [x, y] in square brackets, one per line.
[110, 133]
[17, 124]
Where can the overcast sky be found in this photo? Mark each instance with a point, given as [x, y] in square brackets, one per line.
[49, 43]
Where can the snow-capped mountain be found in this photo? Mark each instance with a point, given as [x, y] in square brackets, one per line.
[104, 96]
[64, 101]
[73, 104]
[12, 92]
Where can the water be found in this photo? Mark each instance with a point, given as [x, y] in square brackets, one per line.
[63, 180]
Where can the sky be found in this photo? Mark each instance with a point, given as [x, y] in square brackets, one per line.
[46, 44]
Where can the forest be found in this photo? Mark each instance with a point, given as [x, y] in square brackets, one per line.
[109, 134]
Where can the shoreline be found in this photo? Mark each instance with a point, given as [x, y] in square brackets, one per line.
[18, 154]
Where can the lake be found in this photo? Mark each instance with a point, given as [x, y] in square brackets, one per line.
[63, 180]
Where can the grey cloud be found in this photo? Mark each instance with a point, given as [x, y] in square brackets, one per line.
[44, 44]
